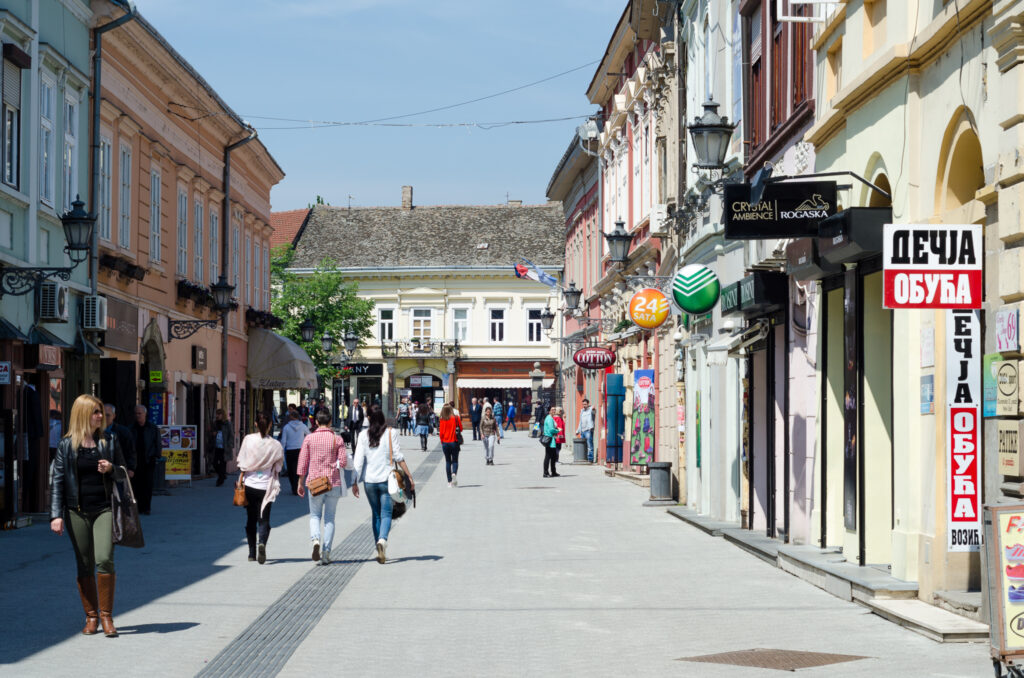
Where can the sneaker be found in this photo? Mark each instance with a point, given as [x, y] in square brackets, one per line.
[449, 483]
[1015, 572]
[325, 558]
[455, 480]
[1015, 552]
[261, 554]
[382, 544]
[316, 550]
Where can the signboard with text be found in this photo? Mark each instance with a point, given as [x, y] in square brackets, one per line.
[932, 266]
[1004, 547]
[178, 443]
[786, 210]
[1007, 336]
[963, 430]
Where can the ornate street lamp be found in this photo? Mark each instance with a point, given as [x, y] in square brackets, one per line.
[618, 243]
[710, 134]
[307, 329]
[572, 297]
[547, 319]
[222, 291]
[327, 342]
[351, 341]
[78, 225]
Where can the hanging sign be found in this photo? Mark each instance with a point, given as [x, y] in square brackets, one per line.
[1007, 394]
[932, 265]
[963, 431]
[696, 289]
[594, 357]
[1007, 337]
[1009, 447]
[648, 308]
[786, 210]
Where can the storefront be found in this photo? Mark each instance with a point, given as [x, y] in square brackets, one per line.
[505, 381]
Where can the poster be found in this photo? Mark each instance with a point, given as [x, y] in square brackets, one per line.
[927, 394]
[989, 389]
[850, 400]
[1009, 576]
[641, 445]
[178, 442]
[963, 430]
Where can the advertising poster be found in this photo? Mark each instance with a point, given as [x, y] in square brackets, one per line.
[989, 389]
[178, 443]
[850, 387]
[963, 430]
[1009, 577]
[641, 445]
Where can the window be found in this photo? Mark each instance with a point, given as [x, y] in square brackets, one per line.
[266, 278]
[802, 59]
[214, 245]
[198, 244]
[104, 189]
[234, 259]
[154, 215]
[44, 247]
[182, 232]
[778, 73]
[534, 330]
[248, 269]
[12, 124]
[257, 279]
[47, 104]
[460, 324]
[497, 323]
[421, 318]
[124, 195]
[70, 151]
[387, 324]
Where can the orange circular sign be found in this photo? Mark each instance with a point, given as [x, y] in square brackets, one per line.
[648, 308]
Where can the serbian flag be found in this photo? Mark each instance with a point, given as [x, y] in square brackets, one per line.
[531, 271]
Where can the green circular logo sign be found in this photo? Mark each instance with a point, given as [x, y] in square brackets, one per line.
[696, 288]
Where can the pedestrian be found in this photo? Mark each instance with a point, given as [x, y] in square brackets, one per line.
[223, 445]
[550, 429]
[539, 414]
[403, 416]
[56, 431]
[356, 417]
[433, 420]
[585, 428]
[260, 459]
[475, 413]
[423, 425]
[124, 436]
[292, 435]
[499, 415]
[146, 437]
[455, 410]
[82, 475]
[323, 455]
[510, 416]
[377, 450]
[488, 424]
[448, 429]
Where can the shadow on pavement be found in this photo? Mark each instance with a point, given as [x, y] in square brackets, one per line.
[405, 558]
[168, 627]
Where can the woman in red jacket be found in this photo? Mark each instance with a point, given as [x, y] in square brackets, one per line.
[448, 429]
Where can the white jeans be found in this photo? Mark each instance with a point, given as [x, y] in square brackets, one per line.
[489, 443]
[324, 504]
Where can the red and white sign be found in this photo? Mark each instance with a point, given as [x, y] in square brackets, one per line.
[5, 373]
[932, 266]
[963, 431]
[1007, 332]
[594, 357]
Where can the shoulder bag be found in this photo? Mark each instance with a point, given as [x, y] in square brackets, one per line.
[239, 498]
[396, 484]
[545, 440]
[126, 527]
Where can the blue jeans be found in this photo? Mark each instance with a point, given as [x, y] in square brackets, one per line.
[589, 437]
[380, 505]
[324, 504]
[511, 422]
[451, 459]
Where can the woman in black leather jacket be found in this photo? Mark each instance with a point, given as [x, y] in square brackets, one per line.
[82, 475]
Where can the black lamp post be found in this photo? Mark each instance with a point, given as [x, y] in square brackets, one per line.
[547, 319]
[351, 341]
[618, 243]
[572, 296]
[78, 225]
[327, 342]
[222, 291]
[308, 329]
[710, 134]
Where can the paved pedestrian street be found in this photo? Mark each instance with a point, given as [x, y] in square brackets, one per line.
[509, 574]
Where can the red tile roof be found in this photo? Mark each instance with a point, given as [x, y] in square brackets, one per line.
[286, 225]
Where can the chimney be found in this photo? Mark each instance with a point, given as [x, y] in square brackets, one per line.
[406, 197]
[515, 203]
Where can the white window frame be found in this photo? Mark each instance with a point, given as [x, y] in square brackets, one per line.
[214, 244]
[124, 197]
[266, 277]
[47, 136]
[155, 193]
[234, 260]
[11, 145]
[198, 244]
[455, 323]
[182, 267]
[502, 327]
[248, 269]
[44, 246]
[257, 279]
[541, 338]
[429, 327]
[390, 323]
[70, 164]
[104, 189]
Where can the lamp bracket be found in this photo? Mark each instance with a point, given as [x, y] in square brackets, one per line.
[183, 329]
[17, 281]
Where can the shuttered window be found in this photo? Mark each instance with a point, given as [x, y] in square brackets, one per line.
[11, 123]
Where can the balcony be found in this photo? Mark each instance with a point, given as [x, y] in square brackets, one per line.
[421, 348]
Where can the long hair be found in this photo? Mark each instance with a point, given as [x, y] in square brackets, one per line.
[377, 426]
[263, 424]
[79, 426]
[488, 412]
[424, 410]
[446, 412]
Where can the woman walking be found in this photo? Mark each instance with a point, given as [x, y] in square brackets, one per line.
[403, 416]
[550, 429]
[488, 424]
[378, 450]
[323, 455]
[447, 430]
[82, 476]
[423, 425]
[260, 460]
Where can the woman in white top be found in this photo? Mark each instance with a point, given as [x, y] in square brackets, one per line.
[260, 460]
[376, 448]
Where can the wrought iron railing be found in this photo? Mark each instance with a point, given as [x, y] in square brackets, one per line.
[423, 348]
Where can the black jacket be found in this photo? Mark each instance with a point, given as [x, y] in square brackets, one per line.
[64, 473]
[355, 418]
[475, 412]
[126, 441]
[147, 442]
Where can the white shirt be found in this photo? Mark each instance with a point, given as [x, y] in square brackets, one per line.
[586, 419]
[376, 458]
[292, 435]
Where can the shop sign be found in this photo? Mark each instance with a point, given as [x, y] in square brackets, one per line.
[5, 373]
[1007, 337]
[932, 266]
[178, 443]
[786, 210]
[156, 377]
[648, 308]
[198, 358]
[963, 431]
[367, 369]
[1004, 546]
[989, 389]
[1007, 392]
[643, 425]
[1009, 447]
[927, 394]
[122, 326]
[695, 289]
[730, 298]
[594, 357]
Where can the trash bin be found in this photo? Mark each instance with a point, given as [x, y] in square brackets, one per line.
[579, 451]
[661, 480]
[159, 477]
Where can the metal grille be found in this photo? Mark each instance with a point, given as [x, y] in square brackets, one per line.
[781, 660]
[265, 646]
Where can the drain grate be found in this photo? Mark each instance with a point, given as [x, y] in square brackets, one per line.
[782, 660]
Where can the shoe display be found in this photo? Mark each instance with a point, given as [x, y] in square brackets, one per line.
[1015, 552]
[261, 554]
[1015, 572]
[316, 550]
[1015, 594]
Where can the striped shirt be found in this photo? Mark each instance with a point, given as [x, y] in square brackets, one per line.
[322, 452]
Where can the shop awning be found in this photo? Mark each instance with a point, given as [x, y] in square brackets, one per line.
[40, 336]
[502, 383]
[276, 362]
[9, 332]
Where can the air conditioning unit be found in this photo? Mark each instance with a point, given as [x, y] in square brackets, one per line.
[94, 314]
[53, 302]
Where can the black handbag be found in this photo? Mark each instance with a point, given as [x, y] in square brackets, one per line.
[545, 441]
[127, 529]
[458, 437]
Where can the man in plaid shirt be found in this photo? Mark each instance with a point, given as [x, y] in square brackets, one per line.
[323, 454]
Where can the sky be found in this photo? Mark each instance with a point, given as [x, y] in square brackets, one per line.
[359, 60]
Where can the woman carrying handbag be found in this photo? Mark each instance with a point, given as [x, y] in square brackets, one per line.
[376, 450]
[321, 459]
[82, 475]
[260, 460]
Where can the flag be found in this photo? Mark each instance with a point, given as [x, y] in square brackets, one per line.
[533, 272]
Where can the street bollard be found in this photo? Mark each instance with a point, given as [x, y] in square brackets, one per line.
[579, 451]
[159, 476]
[661, 480]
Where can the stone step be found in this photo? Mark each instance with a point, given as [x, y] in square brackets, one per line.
[930, 621]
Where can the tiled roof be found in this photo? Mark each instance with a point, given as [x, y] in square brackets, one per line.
[286, 225]
[445, 235]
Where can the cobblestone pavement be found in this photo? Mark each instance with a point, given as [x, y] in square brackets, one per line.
[509, 574]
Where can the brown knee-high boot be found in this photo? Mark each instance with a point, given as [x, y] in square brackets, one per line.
[106, 583]
[87, 590]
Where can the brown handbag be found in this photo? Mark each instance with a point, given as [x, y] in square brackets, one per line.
[240, 499]
[318, 486]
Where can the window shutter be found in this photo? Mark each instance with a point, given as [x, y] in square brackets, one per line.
[12, 84]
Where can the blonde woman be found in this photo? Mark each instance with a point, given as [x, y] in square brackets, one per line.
[82, 476]
[489, 432]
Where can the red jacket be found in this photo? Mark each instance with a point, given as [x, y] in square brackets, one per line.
[446, 428]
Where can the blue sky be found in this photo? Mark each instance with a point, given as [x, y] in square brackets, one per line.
[354, 60]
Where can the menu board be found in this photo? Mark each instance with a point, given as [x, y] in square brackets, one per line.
[178, 444]
[1005, 546]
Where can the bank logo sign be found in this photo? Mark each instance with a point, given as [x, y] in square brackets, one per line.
[696, 289]
[932, 266]
[786, 210]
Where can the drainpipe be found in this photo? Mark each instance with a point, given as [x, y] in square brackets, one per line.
[225, 221]
[129, 6]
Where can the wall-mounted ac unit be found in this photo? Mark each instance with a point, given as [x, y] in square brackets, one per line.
[94, 314]
[53, 302]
